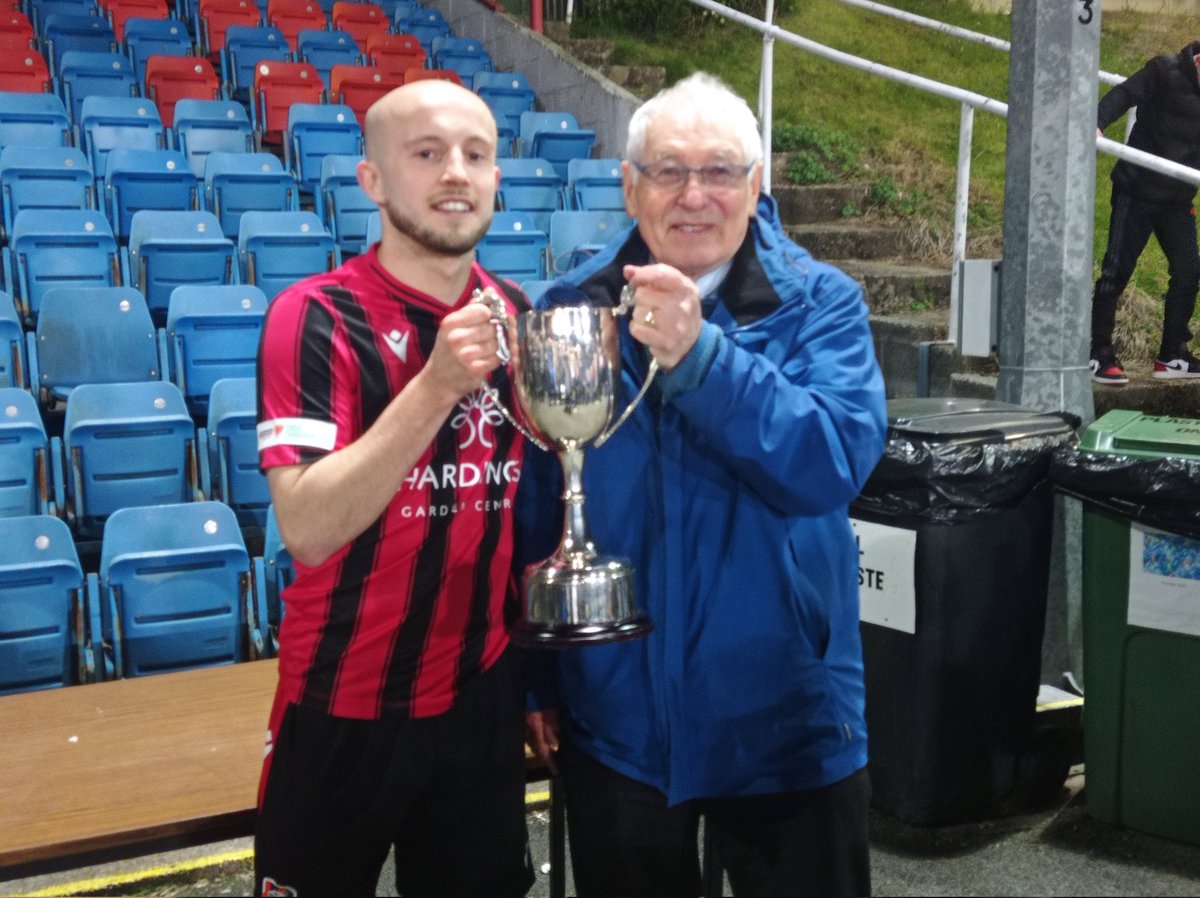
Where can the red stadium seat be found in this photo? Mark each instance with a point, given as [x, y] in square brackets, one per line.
[359, 86]
[395, 54]
[277, 85]
[173, 78]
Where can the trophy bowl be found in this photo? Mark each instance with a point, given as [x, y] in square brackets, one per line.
[565, 372]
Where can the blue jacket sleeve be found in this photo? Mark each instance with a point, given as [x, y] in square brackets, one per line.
[801, 420]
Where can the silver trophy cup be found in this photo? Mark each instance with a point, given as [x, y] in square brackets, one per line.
[565, 368]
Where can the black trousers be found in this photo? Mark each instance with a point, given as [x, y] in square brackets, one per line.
[1130, 225]
[626, 841]
[448, 792]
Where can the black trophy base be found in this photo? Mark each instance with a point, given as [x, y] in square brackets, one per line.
[557, 636]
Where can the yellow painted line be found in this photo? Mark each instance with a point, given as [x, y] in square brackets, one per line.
[1063, 703]
[105, 883]
[101, 883]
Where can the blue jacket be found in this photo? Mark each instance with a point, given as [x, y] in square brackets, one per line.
[728, 491]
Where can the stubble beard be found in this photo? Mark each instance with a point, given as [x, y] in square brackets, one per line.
[443, 244]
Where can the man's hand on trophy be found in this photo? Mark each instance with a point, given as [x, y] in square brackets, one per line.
[666, 311]
[466, 350]
[541, 735]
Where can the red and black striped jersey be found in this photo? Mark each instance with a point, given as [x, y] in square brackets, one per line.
[399, 619]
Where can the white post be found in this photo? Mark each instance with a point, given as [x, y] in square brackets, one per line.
[966, 128]
[766, 99]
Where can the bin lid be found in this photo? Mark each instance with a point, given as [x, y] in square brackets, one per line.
[970, 420]
[1124, 432]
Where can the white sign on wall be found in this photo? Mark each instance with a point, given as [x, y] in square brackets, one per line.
[887, 590]
[1164, 581]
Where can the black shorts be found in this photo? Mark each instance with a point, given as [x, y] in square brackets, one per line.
[448, 792]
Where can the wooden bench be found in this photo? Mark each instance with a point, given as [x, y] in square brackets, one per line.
[114, 770]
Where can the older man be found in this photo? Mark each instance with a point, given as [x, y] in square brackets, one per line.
[728, 489]
[398, 717]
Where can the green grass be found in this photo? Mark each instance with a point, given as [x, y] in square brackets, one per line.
[900, 140]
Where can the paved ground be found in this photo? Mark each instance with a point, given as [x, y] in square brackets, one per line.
[1059, 850]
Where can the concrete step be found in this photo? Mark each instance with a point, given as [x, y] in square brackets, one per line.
[807, 204]
[643, 80]
[894, 287]
[849, 240]
[593, 52]
[899, 342]
[1178, 398]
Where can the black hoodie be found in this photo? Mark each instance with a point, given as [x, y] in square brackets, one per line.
[1166, 93]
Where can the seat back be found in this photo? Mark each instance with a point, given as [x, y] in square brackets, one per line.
[425, 24]
[293, 16]
[126, 444]
[595, 185]
[277, 249]
[236, 183]
[146, 179]
[170, 79]
[513, 247]
[359, 86]
[43, 178]
[233, 450]
[120, 12]
[576, 236]
[394, 54]
[361, 20]
[25, 72]
[154, 37]
[507, 94]
[62, 32]
[13, 372]
[90, 335]
[279, 568]
[212, 334]
[208, 126]
[315, 131]
[325, 49]
[555, 137]
[32, 119]
[25, 475]
[245, 47]
[59, 248]
[94, 73]
[169, 249]
[214, 19]
[41, 591]
[345, 205]
[463, 55]
[277, 86]
[530, 185]
[176, 578]
[106, 123]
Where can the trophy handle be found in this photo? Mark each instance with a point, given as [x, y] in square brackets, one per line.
[491, 394]
[650, 372]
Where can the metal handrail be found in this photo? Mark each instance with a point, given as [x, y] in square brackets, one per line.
[968, 100]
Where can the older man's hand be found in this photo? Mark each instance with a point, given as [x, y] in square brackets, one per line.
[666, 312]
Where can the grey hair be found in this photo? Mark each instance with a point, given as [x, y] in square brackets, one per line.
[708, 100]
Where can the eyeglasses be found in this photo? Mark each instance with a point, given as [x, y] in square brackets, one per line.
[716, 176]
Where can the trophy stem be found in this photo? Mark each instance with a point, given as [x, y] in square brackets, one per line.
[576, 547]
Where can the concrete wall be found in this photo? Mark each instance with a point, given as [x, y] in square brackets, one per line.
[561, 82]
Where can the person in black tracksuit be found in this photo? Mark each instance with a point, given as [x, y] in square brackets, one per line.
[1166, 92]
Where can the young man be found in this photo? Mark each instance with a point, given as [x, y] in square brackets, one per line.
[1166, 92]
[398, 717]
[728, 489]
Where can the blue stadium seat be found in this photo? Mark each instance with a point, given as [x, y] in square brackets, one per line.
[400, 11]
[277, 249]
[146, 37]
[325, 49]
[94, 73]
[43, 178]
[534, 289]
[107, 123]
[124, 445]
[177, 587]
[62, 32]
[13, 371]
[245, 47]
[40, 10]
[345, 206]
[59, 248]
[556, 137]
[38, 120]
[168, 250]
[135, 180]
[231, 466]
[30, 474]
[530, 185]
[90, 335]
[210, 126]
[236, 183]
[374, 227]
[280, 572]
[594, 185]
[576, 236]
[212, 334]
[463, 55]
[513, 247]
[41, 600]
[314, 131]
[424, 24]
